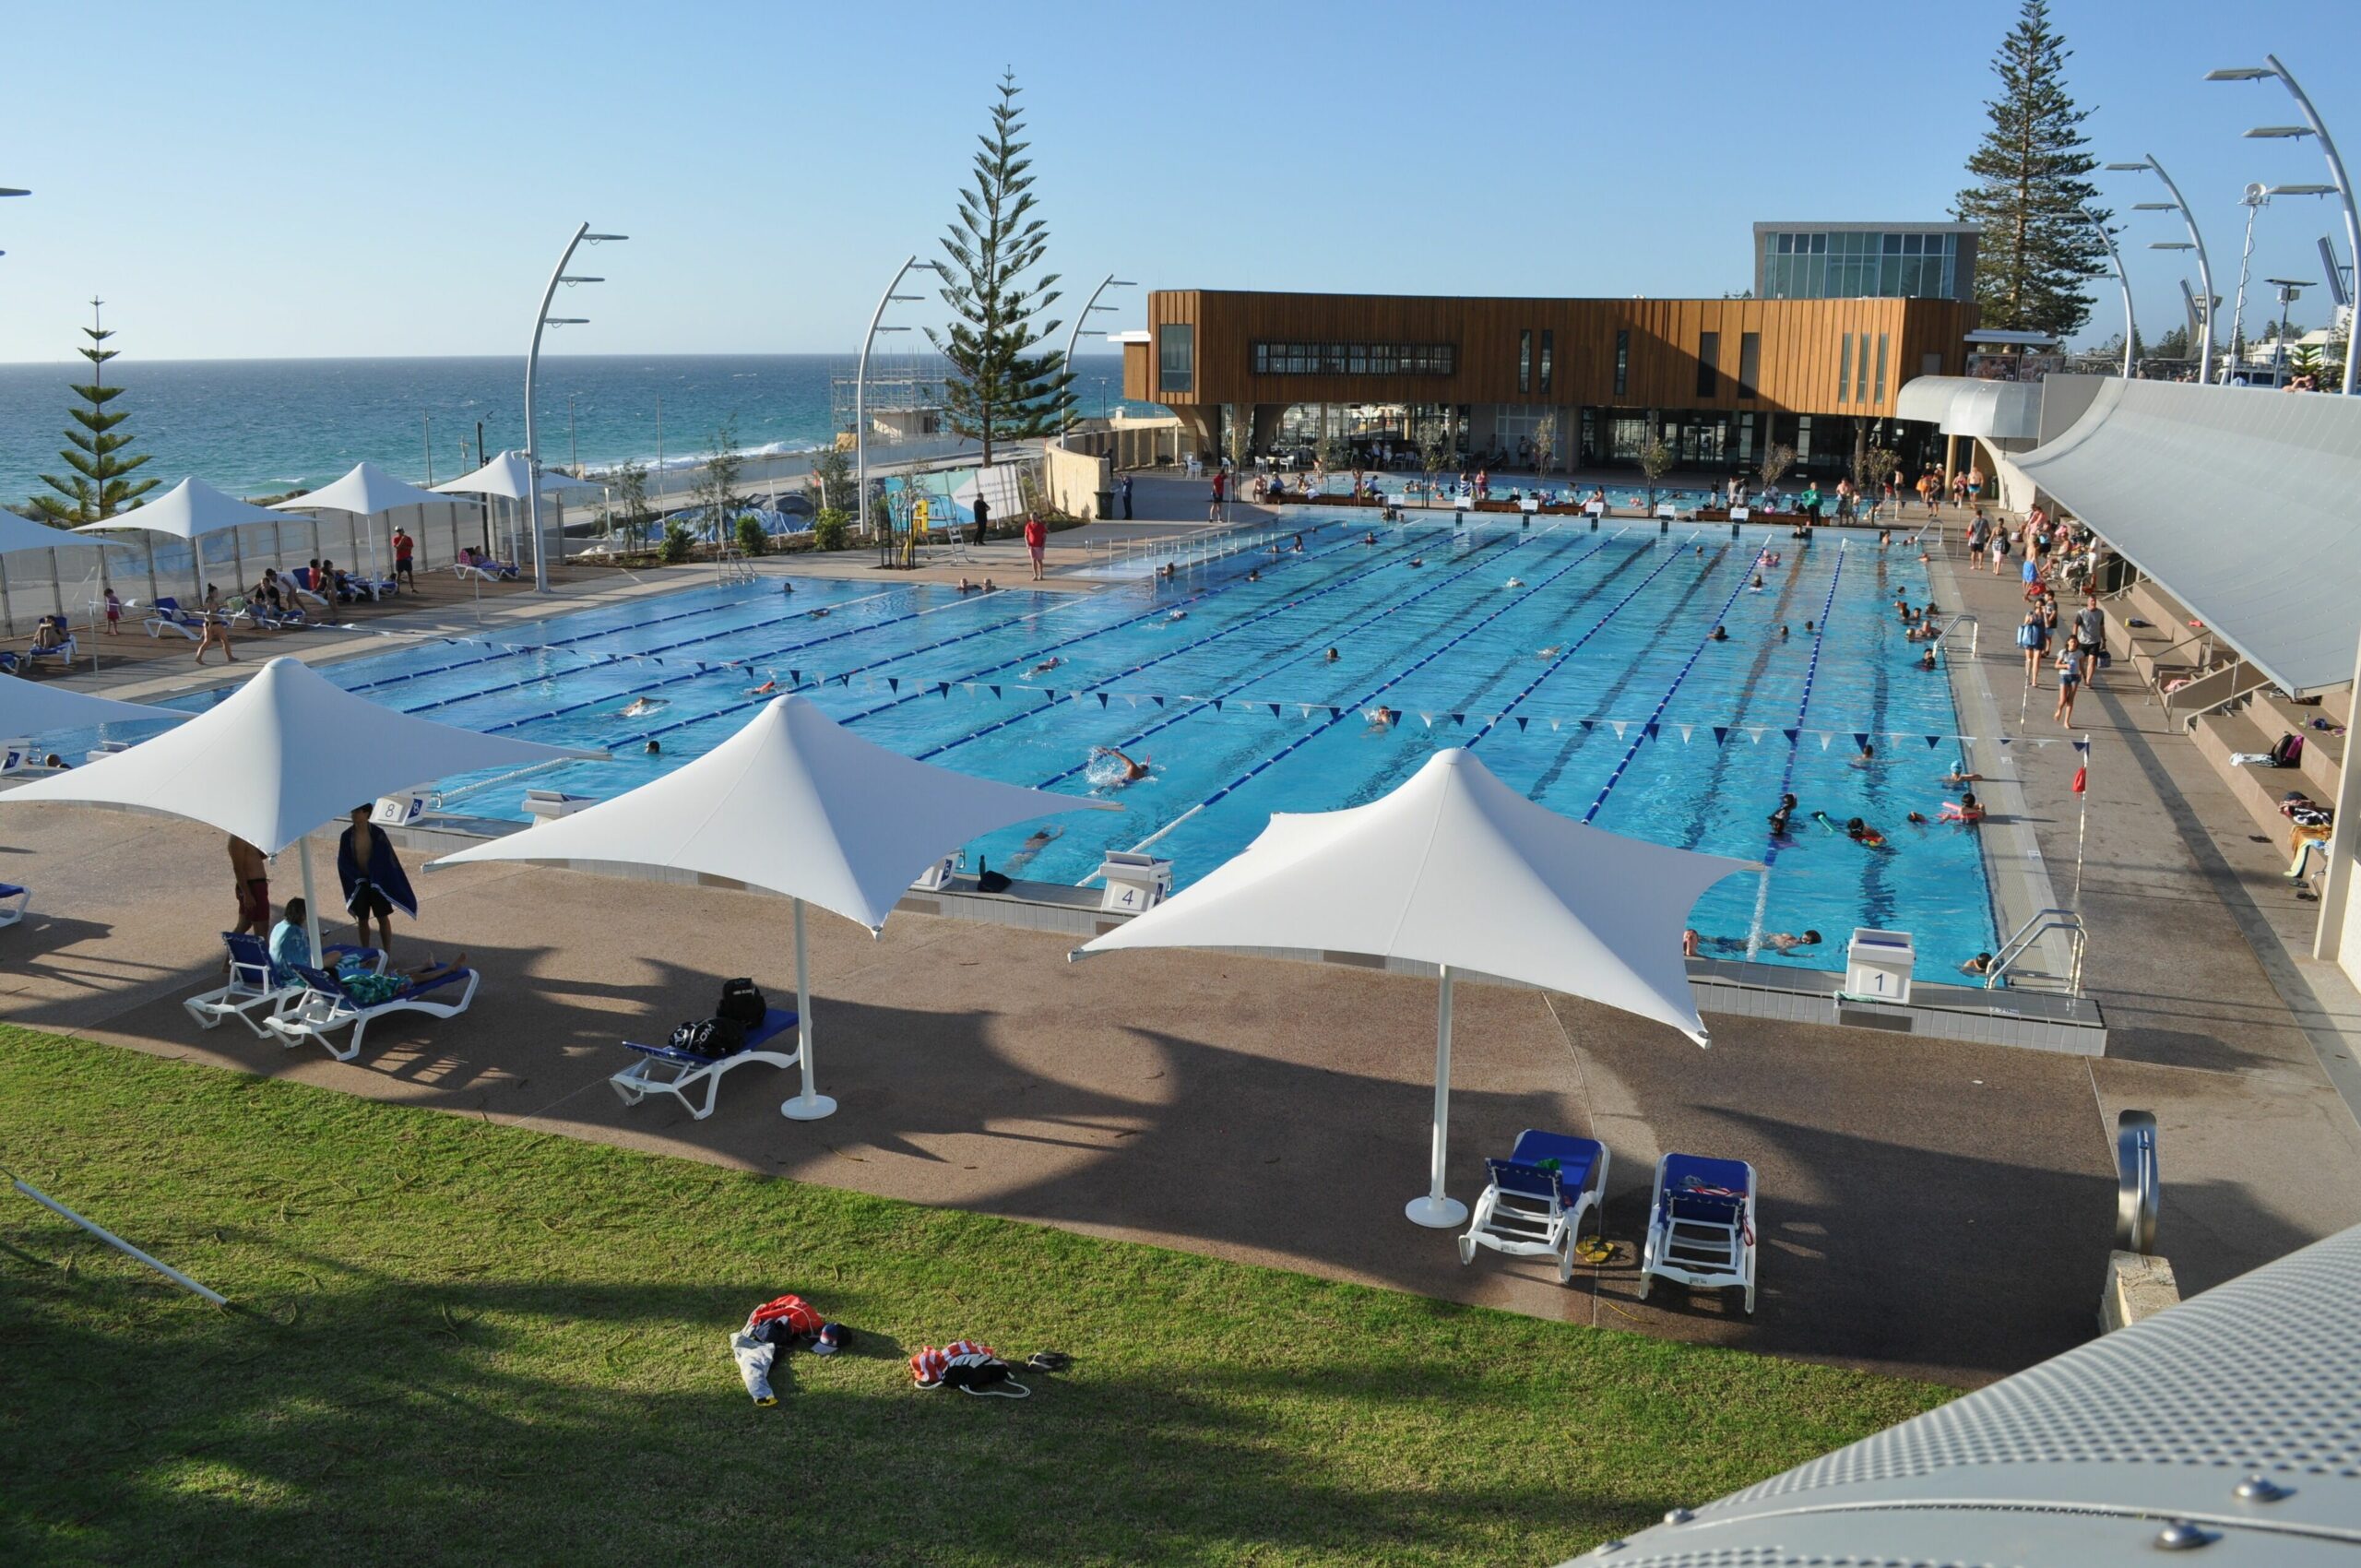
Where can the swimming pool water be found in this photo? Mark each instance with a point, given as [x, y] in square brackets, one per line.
[1595, 687]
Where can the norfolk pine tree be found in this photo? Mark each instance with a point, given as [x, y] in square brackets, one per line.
[2037, 250]
[101, 484]
[1002, 385]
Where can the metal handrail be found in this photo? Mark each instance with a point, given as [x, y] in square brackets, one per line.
[2036, 927]
[1975, 634]
[2216, 706]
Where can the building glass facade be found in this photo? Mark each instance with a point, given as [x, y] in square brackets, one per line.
[1861, 264]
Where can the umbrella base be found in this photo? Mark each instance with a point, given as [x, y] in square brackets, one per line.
[812, 1107]
[1436, 1214]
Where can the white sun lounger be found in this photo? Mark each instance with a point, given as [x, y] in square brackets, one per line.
[326, 1006]
[250, 989]
[14, 902]
[661, 1069]
[1537, 1200]
[1700, 1231]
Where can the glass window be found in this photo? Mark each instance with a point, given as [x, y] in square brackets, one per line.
[1548, 353]
[1524, 360]
[1880, 398]
[1845, 369]
[1861, 370]
[1622, 361]
[1819, 244]
[1749, 362]
[1709, 356]
[1176, 344]
[1892, 246]
[1803, 440]
[1786, 244]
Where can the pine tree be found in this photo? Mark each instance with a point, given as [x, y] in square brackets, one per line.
[100, 485]
[1002, 385]
[2037, 249]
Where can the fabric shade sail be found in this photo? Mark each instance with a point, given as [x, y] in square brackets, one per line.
[16, 533]
[1457, 870]
[797, 804]
[506, 476]
[190, 508]
[279, 756]
[367, 491]
[32, 707]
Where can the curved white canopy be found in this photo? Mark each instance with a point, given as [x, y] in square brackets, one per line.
[1457, 868]
[505, 475]
[285, 753]
[368, 492]
[17, 533]
[794, 803]
[1967, 405]
[32, 707]
[189, 508]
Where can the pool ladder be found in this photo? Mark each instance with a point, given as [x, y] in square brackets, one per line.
[734, 566]
[2036, 927]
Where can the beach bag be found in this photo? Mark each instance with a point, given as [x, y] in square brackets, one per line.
[711, 1038]
[742, 1001]
[2286, 753]
[2031, 634]
[784, 1317]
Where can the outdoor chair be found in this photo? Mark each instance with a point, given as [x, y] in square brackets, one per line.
[14, 901]
[63, 651]
[325, 1005]
[1701, 1231]
[662, 1069]
[300, 583]
[1537, 1197]
[485, 571]
[250, 988]
[166, 614]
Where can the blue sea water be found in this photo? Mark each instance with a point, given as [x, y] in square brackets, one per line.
[266, 426]
[1594, 684]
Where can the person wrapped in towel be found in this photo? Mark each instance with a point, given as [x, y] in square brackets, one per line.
[374, 884]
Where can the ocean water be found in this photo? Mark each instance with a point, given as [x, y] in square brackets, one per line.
[266, 427]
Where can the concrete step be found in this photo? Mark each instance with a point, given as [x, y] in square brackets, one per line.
[2322, 760]
[2257, 788]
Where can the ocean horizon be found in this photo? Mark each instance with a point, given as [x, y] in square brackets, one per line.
[258, 427]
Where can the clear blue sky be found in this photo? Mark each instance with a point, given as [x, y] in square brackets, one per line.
[258, 180]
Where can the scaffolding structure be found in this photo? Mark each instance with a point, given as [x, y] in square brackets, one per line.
[904, 398]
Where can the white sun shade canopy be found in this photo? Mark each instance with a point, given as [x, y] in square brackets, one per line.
[16, 533]
[367, 491]
[33, 708]
[506, 475]
[1457, 868]
[189, 508]
[286, 752]
[796, 803]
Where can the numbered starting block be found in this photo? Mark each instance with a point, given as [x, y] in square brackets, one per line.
[937, 877]
[404, 806]
[546, 805]
[1878, 965]
[1135, 883]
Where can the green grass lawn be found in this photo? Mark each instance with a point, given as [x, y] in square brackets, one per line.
[457, 1342]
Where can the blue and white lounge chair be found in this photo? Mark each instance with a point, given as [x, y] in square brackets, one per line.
[1539, 1195]
[326, 1005]
[166, 614]
[661, 1069]
[1701, 1231]
[63, 651]
[251, 989]
[14, 901]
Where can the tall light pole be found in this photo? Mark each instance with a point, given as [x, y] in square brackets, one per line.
[861, 377]
[2196, 241]
[1109, 281]
[2131, 329]
[543, 318]
[2312, 127]
[2288, 289]
[12, 191]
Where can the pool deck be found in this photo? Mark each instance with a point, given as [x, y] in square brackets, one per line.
[1931, 1208]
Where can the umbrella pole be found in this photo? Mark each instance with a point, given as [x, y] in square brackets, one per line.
[810, 1105]
[311, 904]
[1436, 1211]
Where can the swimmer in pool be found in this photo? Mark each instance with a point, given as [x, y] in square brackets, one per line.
[1133, 771]
[1959, 775]
[1254, 575]
[1551, 652]
[1047, 665]
[1417, 560]
[1779, 818]
[1513, 582]
[1861, 833]
[1721, 635]
[1032, 846]
[1333, 656]
[1369, 539]
[820, 614]
[1787, 941]
[639, 707]
[765, 689]
[654, 748]
[1178, 615]
[1382, 717]
[1867, 756]
[1756, 586]
[1782, 632]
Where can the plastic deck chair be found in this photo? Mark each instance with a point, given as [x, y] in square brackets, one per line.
[166, 615]
[662, 1069]
[250, 988]
[326, 1005]
[1701, 1231]
[14, 902]
[1539, 1195]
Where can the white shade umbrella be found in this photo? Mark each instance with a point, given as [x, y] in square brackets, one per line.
[1457, 870]
[29, 708]
[16, 533]
[189, 510]
[797, 805]
[367, 491]
[283, 753]
[505, 476]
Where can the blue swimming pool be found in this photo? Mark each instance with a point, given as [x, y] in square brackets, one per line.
[1594, 685]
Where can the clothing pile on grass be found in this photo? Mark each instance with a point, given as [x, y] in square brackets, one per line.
[787, 1322]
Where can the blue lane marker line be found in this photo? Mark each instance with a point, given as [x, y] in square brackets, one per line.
[1648, 724]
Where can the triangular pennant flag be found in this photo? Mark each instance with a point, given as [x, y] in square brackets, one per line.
[1303, 710]
[893, 683]
[1130, 700]
[2007, 740]
[1050, 695]
[1721, 734]
[1933, 741]
[845, 681]
[1649, 730]
[1618, 727]
[942, 688]
[1217, 705]
[795, 677]
[1520, 724]
[1428, 719]
[1792, 735]
[1590, 724]
[1460, 720]
[1553, 727]
[2043, 744]
[1159, 701]
[994, 690]
[1684, 734]
[1823, 738]
[1754, 733]
[1274, 710]
[2081, 745]
[1860, 740]
[1334, 714]
[1102, 699]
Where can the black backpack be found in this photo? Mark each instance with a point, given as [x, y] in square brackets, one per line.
[742, 1002]
[711, 1038]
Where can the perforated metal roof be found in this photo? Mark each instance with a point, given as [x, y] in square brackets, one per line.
[2087, 1459]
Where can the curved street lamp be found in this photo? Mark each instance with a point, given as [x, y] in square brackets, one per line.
[1109, 281]
[2196, 243]
[2131, 329]
[861, 377]
[543, 318]
[2312, 127]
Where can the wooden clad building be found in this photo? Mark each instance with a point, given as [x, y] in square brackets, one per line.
[1717, 379]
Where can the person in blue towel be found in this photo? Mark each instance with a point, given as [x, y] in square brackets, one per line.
[374, 884]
